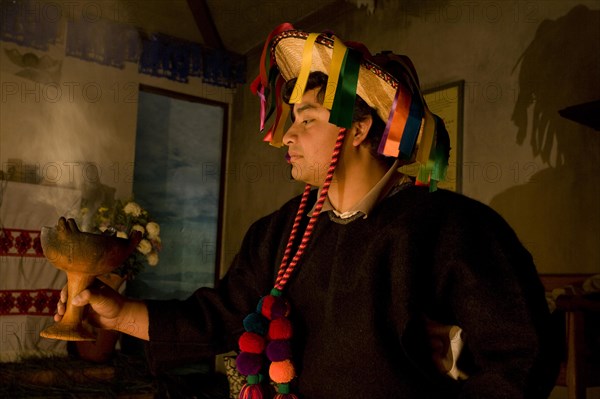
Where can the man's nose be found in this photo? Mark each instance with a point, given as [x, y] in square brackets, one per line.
[290, 135]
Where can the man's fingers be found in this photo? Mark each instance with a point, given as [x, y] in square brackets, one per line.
[61, 305]
[63, 294]
[61, 308]
[83, 298]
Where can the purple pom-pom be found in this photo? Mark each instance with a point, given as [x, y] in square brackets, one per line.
[248, 363]
[256, 323]
[279, 350]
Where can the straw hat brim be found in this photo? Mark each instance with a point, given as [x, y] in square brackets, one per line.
[375, 86]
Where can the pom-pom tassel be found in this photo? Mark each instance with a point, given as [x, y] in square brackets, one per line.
[283, 392]
[285, 396]
[251, 391]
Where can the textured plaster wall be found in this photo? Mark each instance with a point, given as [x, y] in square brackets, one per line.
[88, 115]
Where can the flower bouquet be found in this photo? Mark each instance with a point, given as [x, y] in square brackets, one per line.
[121, 219]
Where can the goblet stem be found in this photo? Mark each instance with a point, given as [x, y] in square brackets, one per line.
[70, 327]
[76, 282]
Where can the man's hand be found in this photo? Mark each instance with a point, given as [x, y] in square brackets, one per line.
[109, 310]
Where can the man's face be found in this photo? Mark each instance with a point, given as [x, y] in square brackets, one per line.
[310, 140]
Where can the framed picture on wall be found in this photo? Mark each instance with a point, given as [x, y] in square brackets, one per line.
[447, 102]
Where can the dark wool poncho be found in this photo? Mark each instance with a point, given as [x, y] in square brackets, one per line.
[362, 291]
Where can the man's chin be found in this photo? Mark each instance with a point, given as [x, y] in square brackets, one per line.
[294, 171]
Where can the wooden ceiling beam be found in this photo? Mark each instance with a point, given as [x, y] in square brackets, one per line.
[206, 24]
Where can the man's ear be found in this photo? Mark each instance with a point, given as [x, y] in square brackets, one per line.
[361, 130]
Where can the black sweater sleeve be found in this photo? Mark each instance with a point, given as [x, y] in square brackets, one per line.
[210, 321]
[496, 297]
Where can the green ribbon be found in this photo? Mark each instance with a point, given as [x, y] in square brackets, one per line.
[440, 151]
[342, 109]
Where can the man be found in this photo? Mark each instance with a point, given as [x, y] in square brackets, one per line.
[381, 281]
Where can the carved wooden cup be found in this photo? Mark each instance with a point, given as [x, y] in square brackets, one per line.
[83, 256]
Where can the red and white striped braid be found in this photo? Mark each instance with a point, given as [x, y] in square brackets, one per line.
[285, 270]
[288, 248]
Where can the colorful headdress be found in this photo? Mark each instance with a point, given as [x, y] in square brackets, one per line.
[387, 82]
[412, 134]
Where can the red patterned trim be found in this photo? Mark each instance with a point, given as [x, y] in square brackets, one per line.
[28, 302]
[22, 243]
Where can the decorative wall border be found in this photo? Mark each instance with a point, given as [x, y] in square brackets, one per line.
[102, 40]
[28, 302]
[21, 243]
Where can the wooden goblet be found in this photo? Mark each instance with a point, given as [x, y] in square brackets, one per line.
[83, 256]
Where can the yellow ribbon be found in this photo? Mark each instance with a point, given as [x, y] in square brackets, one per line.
[298, 92]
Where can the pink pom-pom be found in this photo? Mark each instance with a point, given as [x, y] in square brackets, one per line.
[282, 372]
[279, 329]
[251, 342]
[279, 350]
[248, 363]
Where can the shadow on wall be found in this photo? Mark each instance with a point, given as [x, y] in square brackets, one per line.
[557, 213]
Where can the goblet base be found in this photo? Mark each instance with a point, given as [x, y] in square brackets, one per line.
[69, 332]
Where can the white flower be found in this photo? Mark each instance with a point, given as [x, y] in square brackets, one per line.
[153, 229]
[152, 258]
[122, 234]
[133, 209]
[144, 247]
[138, 227]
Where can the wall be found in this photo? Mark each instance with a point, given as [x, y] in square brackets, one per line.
[89, 116]
[542, 179]
[72, 122]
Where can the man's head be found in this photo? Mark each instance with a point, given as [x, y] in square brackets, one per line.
[382, 89]
[362, 111]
